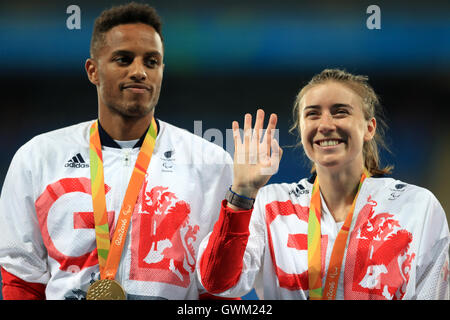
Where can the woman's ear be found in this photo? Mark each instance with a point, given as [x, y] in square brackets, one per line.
[371, 129]
[92, 70]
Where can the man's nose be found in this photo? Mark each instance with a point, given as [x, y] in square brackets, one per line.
[138, 72]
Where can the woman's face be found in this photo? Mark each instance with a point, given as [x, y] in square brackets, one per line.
[332, 126]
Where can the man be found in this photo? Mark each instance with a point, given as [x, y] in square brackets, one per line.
[122, 202]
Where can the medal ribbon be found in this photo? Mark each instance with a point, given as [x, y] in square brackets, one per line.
[314, 252]
[109, 252]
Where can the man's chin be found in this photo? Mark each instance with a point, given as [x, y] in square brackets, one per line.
[134, 111]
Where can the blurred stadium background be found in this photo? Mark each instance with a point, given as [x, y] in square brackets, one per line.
[225, 58]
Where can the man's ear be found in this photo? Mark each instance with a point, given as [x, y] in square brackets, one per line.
[92, 70]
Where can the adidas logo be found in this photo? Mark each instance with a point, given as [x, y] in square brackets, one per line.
[77, 162]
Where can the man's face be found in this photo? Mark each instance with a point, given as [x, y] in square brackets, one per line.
[129, 70]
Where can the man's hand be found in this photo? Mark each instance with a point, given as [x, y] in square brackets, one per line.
[257, 157]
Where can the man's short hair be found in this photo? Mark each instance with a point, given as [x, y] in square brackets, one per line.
[125, 14]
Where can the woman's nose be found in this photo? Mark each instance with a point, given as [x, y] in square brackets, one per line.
[326, 123]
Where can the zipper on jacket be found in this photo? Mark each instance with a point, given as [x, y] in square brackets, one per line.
[127, 158]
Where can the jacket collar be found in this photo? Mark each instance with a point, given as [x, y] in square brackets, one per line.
[107, 141]
[313, 176]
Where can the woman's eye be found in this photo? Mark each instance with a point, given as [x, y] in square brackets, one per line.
[342, 111]
[311, 113]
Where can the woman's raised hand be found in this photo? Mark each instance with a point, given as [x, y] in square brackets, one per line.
[256, 156]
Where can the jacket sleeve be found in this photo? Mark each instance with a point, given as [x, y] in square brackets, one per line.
[14, 288]
[432, 279]
[225, 250]
[230, 256]
[22, 251]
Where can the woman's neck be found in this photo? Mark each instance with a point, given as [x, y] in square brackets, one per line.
[339, 188]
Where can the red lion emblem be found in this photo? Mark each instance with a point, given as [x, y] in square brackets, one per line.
[378, 259]
[162, 248]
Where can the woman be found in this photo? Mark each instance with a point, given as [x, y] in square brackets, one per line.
[347, 232]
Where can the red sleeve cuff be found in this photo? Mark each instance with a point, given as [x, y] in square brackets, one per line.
[15, 288]
[222, 261]
[234, 221]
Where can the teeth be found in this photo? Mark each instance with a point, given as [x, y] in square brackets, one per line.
[326, 143]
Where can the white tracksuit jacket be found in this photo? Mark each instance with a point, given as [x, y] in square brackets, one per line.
[397, 247]
[46, 220]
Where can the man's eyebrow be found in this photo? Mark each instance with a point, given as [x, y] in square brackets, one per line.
[153, 53]
[131, 53]
[122, 53]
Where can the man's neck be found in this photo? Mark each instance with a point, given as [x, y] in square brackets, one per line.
[339, 189]
[124, 129]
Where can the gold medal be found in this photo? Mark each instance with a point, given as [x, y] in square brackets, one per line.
[106, 289]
